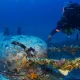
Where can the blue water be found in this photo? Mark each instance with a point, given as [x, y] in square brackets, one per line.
[36, 17]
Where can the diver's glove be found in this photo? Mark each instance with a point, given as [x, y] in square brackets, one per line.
[49, 37]
[52, 33]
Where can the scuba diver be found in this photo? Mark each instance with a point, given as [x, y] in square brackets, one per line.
[69, 21]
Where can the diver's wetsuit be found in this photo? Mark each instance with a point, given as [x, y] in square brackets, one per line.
[69, 19]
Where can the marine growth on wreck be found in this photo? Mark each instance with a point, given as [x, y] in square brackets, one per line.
[26, 58]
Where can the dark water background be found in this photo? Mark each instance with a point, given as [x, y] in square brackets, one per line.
[35, 17]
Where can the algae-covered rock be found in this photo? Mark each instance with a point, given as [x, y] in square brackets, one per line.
[36, 43]
[3, 78]
[12, 56]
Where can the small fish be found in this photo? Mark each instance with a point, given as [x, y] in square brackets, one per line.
[64, 72]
